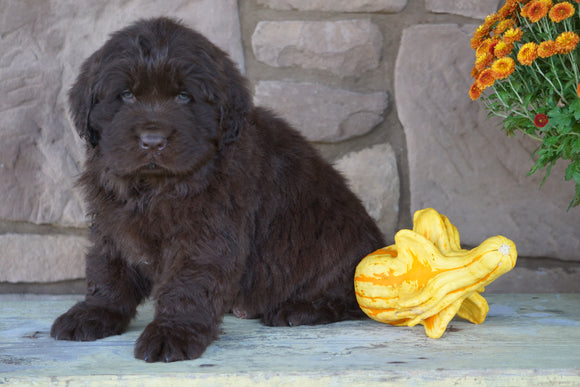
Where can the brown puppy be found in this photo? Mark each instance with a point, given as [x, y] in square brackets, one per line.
[202, 201]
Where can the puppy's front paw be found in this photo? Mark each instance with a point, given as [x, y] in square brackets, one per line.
[87, 323]
[170, 341]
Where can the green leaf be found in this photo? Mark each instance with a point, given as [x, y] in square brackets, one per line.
[576, 200]
[560, 118]
[573, 172]
[575, 107]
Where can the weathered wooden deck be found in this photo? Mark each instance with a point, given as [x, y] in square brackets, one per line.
[526, 340]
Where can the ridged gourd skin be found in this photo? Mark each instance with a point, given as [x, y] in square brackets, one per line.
[427, 278]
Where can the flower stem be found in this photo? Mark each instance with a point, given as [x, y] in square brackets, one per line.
[560, 92]
[535, 137]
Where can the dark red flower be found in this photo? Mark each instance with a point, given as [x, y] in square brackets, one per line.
[541, 120]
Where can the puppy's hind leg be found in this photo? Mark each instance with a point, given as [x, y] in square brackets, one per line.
[321, 311]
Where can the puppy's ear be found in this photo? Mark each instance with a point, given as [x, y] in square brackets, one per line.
[237, 104]
[82, 98]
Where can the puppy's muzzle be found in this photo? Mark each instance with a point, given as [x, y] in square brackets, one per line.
[152, 142]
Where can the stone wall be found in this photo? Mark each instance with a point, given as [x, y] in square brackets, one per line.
[379, 86]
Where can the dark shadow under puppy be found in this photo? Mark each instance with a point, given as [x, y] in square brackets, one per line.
[202, 201]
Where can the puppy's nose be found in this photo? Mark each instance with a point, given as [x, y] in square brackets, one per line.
[152, 141]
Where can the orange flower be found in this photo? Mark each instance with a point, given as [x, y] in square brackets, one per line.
[503, 25]
[478, 36]
[528, 53]
[578, 88]
[490, 21]
[566, 42]
[474, 92]
[485, 79]
[492, 46]
[512, 35]
[561, 11]
[486, 47]
[508, 9]
[535, 10]
[502, 49]
[524, 11]
[547, 49]
[503, 67]
[482, 61]
[476, 42]
[482, 30]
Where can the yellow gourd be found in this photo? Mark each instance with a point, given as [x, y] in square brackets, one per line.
[427, 278]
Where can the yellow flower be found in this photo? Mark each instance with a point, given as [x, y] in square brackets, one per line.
[502, 49]
[512, 35]
[566, 42]
[535, 10]
[528, 53]
[561, 11]
[503, 67]
[485, 79]
[547, 49]
[474, 92]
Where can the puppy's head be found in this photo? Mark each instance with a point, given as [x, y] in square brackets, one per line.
[158, 98]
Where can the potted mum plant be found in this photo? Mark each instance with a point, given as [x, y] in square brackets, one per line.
[526, 72]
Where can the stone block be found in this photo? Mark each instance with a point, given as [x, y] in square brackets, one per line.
[322, 113]
[373, 176]
[478, 9]
[344, 47]
[43, 44]
[465, 166]
[389, 6]
[41, 258]
[538, 276]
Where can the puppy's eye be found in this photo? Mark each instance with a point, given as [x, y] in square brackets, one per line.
[183, 97]
[127, 96]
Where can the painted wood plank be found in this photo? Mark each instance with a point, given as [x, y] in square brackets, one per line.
[525, 340]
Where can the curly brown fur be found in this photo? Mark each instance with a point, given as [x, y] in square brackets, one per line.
[202, 201]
